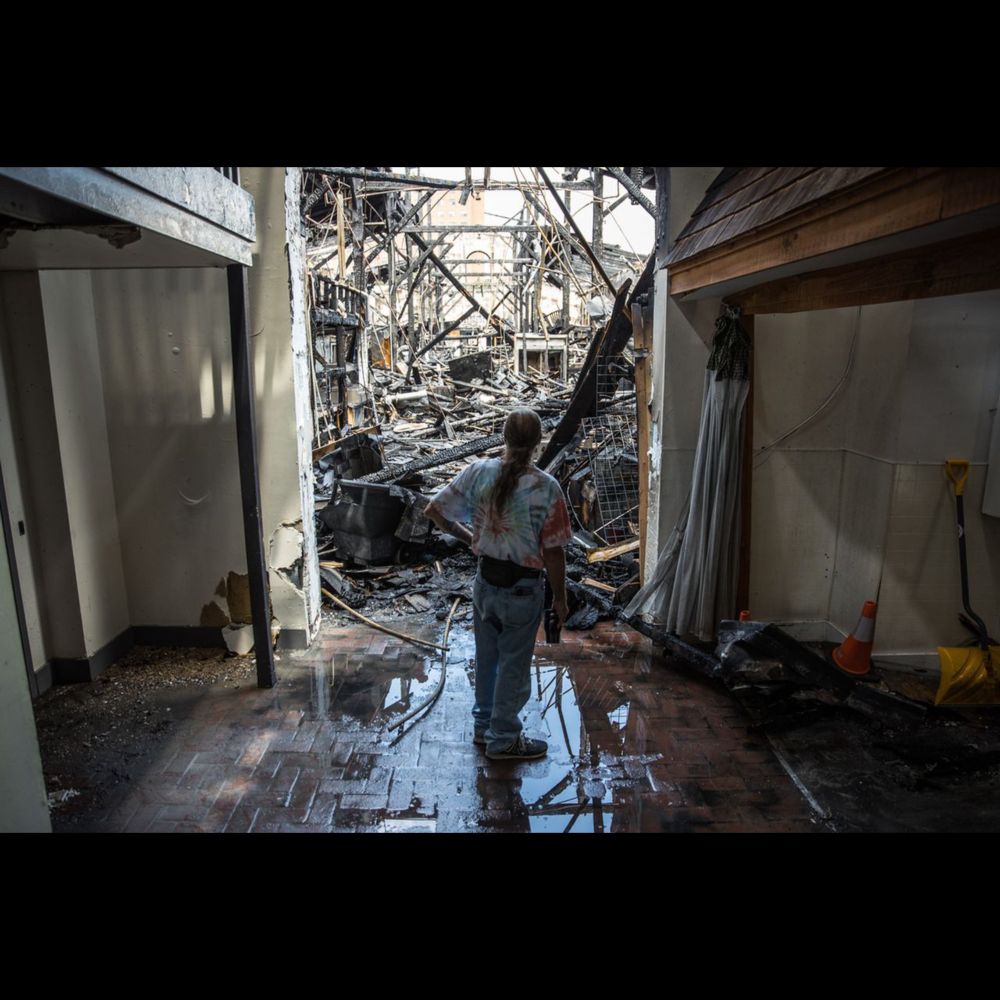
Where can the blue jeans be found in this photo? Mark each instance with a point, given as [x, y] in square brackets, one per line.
[506, 622]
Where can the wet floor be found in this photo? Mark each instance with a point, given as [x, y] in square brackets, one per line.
[636, 743]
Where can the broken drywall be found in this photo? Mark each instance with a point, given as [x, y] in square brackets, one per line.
[285, 558]
[238, 598]
[302, 381]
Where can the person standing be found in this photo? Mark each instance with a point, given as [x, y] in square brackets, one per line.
[520, 527]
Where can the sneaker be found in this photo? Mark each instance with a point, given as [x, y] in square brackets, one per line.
[521, 749]
[480, 739]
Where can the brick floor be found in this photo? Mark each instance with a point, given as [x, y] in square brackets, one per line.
[637, 744]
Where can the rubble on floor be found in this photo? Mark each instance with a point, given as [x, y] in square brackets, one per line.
[870, 752]
[377, 549]
[96, 737]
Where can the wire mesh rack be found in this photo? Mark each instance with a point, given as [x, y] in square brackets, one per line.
[614, 468]
[614, 378]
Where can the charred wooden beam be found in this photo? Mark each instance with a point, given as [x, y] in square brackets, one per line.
[633, 190]
[662, 215]
[437, 340]
[576, 229]
[407, 217]
[703, 660]
[606, 345]
[419, 181]
[598, 214]
[484, 444]
[613, 551]
[443, 268]
[471, 228]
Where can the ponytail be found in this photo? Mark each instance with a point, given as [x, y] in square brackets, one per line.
[522, 431]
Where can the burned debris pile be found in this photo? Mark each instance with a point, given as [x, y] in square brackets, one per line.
[406, 394]
[377, 549]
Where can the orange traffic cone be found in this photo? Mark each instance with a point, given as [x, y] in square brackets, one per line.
[854, 654]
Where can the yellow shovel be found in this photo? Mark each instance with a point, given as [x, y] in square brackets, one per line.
[970, 675]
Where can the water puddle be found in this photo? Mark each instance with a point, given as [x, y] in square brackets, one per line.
[364, 687]
[586, 782]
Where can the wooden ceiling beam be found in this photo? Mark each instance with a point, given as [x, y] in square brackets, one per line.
[893, 203]
[954, 267]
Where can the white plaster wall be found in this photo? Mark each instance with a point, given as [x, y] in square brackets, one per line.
[50, 558]
[952, 378]
[821, 497]
[164, 340]
[921, 591]
[796, 500]
[867, 477]
[23, 805]
[866, 498]
[797, 483]
[75, 367]
[871, 437]
[874, 393]
[951, 385]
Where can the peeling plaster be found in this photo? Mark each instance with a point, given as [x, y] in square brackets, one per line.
[308, 577]
[285, 553]
[238, 597]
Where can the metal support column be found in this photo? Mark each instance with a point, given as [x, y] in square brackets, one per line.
[246, 437]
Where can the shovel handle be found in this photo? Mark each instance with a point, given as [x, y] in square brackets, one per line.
[957, 470]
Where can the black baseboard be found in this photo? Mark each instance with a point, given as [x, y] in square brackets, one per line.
[85, 669]
[43, 678]
[178, 635]
[293, 638]
[70, 671]
[112, 652]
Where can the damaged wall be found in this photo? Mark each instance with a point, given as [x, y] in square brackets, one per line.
[860, 494]
[283, 373]
[165, 343]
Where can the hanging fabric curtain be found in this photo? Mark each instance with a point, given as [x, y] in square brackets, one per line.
[694, 584]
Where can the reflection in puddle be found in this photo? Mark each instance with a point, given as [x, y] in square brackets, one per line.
[408, 826]
[369, 688]
[619, 717]
[588, 781]
[319, 695]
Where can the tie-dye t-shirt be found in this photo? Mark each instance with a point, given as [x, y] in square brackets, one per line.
[534, 519]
